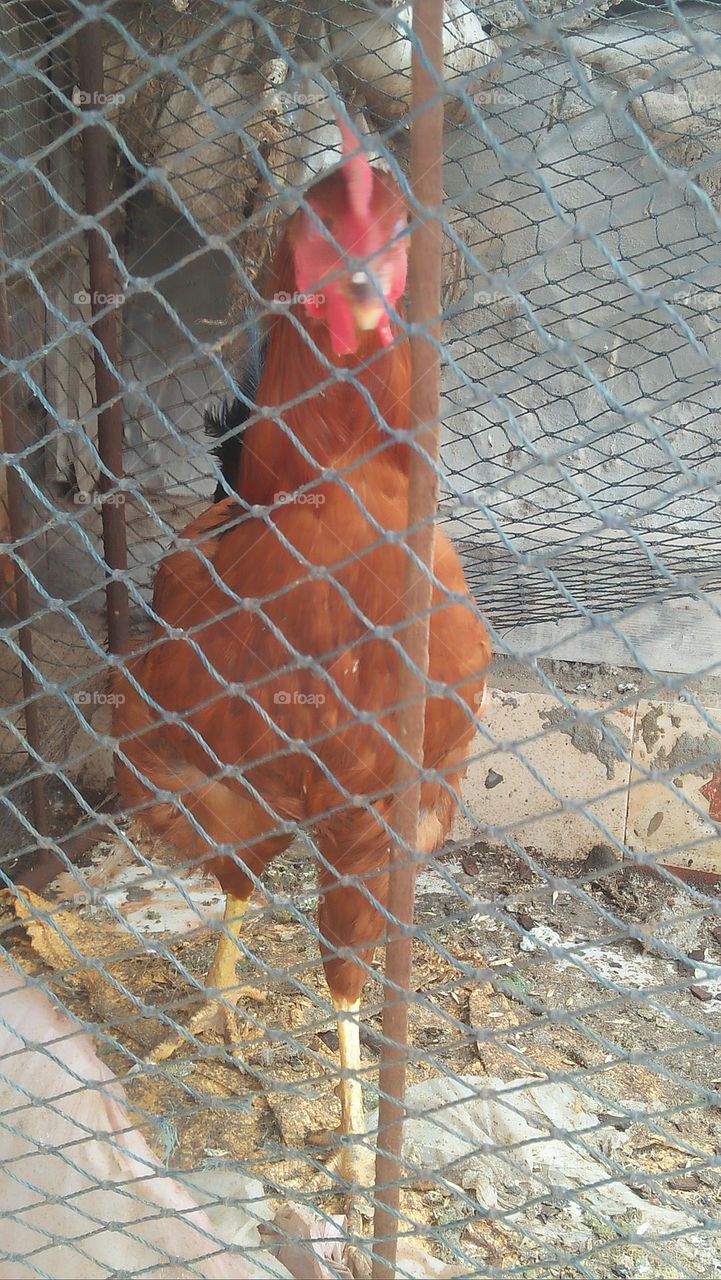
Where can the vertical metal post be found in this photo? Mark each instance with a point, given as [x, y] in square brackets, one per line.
[10, 442]
[424, 293]
[103, 284]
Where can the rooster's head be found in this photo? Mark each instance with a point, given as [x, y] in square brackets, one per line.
[350, 249]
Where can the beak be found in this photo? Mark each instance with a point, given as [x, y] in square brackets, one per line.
[365, 302]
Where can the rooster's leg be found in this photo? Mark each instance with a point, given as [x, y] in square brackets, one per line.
[217, 1013]
[352, 1115]
[356, 1160]
[353, 1161]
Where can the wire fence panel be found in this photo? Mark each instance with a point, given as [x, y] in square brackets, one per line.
[206, 217]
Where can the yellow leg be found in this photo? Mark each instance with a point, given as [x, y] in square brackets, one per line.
[354, 1161]
[222, 974]
[222, 978]
[352, 1119]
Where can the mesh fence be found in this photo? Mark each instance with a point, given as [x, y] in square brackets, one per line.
[251, 345]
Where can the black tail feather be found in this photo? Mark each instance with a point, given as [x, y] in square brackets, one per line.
[226, 422]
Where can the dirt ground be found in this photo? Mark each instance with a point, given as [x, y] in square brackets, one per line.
[609, 1009]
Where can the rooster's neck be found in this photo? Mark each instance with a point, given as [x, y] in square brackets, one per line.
[333, 411]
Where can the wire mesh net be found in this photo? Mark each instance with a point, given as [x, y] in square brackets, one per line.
[562, 1081]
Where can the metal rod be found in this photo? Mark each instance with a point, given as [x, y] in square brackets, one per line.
[103, 287]
[424, 306]
[10, 436]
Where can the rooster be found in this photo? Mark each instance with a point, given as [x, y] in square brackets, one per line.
[266, 701]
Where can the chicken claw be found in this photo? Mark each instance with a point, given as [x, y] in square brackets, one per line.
[216, 1014]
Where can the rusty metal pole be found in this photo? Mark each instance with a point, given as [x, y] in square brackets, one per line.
[103, 285]
[424, 306]
[10, 442]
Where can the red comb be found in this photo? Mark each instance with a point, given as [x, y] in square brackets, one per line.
[357, 171]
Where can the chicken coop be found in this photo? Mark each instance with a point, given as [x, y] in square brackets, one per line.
[360, 639]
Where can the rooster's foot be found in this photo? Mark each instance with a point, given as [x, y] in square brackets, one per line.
[218, 1016]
